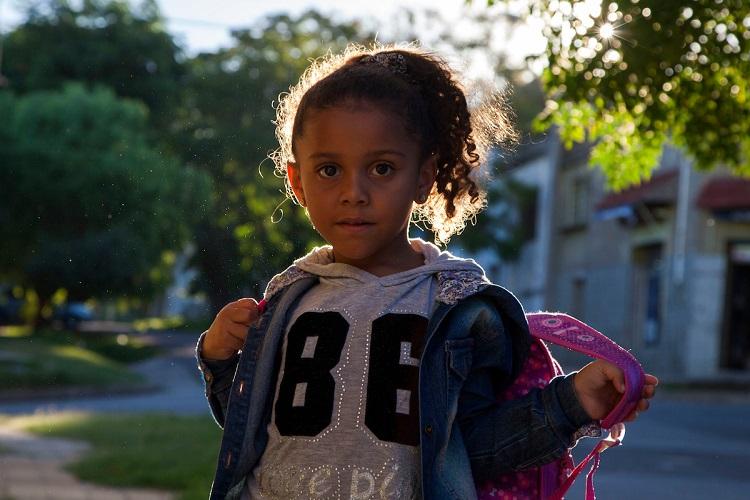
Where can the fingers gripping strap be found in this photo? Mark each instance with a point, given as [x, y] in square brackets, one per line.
[575, 335]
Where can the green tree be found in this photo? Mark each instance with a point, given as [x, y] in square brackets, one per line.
[88, 204]
[99, 42]
[226, 129]
[631, 75]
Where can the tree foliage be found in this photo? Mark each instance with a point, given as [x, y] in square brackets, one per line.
[88, 204]
[633, 74]
[100, 42]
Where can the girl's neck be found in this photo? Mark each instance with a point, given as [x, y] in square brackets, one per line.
[398, 260]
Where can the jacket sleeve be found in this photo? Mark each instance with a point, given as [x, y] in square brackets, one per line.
[217, 377]
[521, 433]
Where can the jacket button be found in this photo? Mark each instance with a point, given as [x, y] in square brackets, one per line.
[428, 429]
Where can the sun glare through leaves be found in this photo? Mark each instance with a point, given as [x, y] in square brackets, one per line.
[606, 31]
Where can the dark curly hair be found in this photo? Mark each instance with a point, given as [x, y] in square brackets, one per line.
[421, 89]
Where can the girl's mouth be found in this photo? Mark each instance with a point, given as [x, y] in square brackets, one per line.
[354, 224]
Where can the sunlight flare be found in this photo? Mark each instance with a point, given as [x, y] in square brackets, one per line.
[606, 31]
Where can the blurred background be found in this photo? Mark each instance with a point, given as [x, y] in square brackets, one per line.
[137, 198]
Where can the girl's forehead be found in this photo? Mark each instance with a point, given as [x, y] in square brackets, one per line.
[359, 109]
[354, 126]
[354, 132]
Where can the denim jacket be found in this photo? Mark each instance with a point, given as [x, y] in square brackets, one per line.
[474, 348]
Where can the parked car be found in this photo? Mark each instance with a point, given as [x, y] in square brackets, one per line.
[71, 314]
[10, 306]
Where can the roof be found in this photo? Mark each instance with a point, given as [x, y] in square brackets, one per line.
[725, 193]
[661, 189]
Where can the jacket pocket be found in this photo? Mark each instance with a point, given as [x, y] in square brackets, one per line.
[458, 354]
[458, 359]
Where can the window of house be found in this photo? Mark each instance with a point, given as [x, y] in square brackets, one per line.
[648, 292]
[577, 202]
[528, 213]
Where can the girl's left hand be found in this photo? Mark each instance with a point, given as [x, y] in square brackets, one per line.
[600, 385]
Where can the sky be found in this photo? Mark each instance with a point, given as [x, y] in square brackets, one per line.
[237, 13]
[204, 25]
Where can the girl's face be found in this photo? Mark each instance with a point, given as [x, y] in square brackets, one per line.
[358, 173]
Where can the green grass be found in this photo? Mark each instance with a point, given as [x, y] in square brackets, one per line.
[176, 453]
[172, 323]
[33, 363]
[123, 348]
[48, 358]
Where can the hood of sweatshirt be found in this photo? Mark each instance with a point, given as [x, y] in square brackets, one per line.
[457, 277]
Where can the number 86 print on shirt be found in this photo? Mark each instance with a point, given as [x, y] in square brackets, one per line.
[305, 402]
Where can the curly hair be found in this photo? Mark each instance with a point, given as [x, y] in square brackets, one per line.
[423, 91]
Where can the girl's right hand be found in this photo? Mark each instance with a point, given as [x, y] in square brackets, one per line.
[599, 386]
[227, 333]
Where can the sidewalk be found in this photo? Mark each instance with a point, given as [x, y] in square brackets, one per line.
[31, 468]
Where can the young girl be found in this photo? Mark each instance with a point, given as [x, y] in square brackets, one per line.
[372, 369]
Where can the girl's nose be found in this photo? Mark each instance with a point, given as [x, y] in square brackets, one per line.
[354, 189]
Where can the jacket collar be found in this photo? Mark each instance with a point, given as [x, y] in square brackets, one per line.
[453, 286]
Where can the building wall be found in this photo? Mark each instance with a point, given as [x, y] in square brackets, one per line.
[702, 331]
[595, 269]
[598, 260]
[526, 277]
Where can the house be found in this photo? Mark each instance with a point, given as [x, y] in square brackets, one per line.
[663, 268]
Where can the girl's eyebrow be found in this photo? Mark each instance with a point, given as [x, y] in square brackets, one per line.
[325, 154]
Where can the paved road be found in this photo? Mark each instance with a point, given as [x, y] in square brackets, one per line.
[683, 449]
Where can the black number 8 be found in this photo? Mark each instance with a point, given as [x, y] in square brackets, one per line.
[305, 402]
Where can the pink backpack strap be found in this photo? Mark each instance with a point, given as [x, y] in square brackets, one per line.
[566, 331]
[617, 433]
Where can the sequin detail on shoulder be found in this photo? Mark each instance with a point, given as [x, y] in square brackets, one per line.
[453, 285]
[284, 279]
[457, 285]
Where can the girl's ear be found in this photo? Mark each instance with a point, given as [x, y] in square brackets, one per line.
[427, 174]
[293, 175]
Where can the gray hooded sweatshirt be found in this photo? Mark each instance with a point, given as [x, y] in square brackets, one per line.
[345, 414]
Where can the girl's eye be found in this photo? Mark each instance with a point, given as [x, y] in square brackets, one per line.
[328, 170]
[382, 169]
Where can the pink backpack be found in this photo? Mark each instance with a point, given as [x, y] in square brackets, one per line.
[553, 480]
